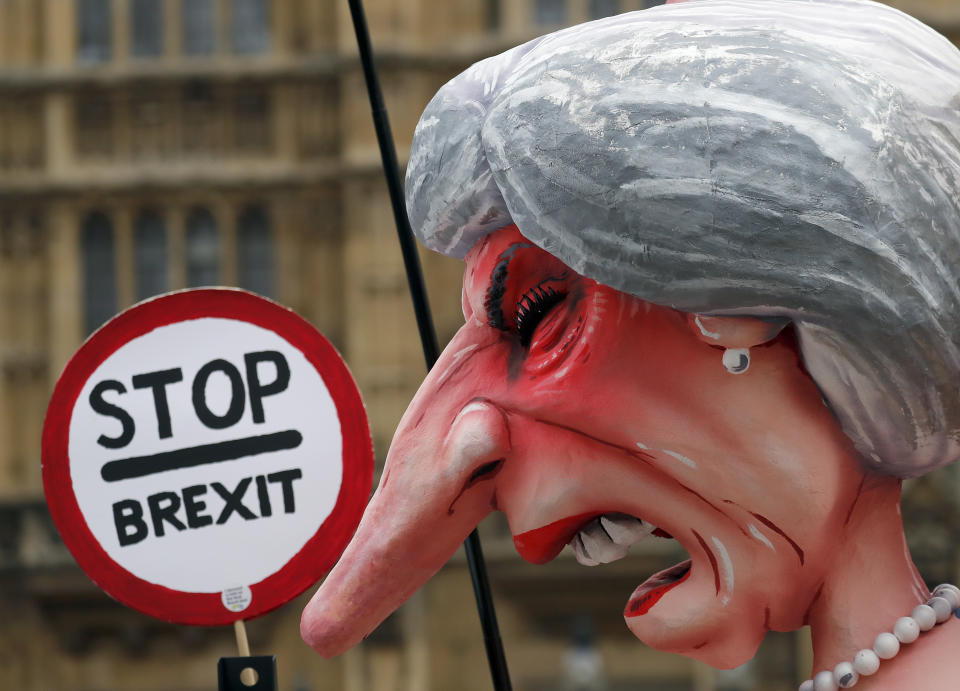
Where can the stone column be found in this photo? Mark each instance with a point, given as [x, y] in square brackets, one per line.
[120, 30]
[578, 11]
[515, 17]
[59, 130]
[226, 215]
[353, 669]
[123, 256]
[60, 40]
[416, 644]
[176, 247]
[284, 114]
[282, 213]
[703, 677]
[804, 644]
[171, 28]
[281, 28]
[222, 17]
[66, 287]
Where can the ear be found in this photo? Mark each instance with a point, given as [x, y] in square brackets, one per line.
[735, 332]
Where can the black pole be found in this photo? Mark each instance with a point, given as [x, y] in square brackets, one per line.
[428, 335]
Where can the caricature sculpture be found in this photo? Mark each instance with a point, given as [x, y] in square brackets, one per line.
[712, 258]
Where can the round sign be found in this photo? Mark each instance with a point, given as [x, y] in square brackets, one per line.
[206, 456]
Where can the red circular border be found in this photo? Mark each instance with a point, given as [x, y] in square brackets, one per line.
[320, 552]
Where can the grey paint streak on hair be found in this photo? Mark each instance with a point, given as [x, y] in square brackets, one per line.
[797, 159]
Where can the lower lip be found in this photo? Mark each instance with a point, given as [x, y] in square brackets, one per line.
[642, 603]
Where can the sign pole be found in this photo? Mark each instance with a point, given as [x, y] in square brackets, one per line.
[428, 337]
[243, 645]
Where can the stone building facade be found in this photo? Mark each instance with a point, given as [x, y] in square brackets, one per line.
[153, 145]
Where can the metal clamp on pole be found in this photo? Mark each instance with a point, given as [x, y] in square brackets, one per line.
[258, 673]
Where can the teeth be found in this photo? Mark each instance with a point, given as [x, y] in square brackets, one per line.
[599, 546]
[580, 553]
[608, 538]
[626, 530]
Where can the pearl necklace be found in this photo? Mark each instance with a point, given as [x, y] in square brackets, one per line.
[945, 601]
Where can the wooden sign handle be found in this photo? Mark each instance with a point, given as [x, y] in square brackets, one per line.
[240, 628]
[247, 676]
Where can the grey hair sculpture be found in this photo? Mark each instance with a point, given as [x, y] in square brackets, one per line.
[797, 159]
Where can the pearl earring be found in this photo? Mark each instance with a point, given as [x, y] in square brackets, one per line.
[736, 360]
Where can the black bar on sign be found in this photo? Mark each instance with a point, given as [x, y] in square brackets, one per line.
[140, 466]
[428, 335]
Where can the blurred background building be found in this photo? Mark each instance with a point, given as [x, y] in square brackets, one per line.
[151, 145]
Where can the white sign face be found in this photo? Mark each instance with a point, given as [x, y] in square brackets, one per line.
[212, 434]
[206, 456]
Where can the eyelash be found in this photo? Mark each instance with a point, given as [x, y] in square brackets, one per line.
[532, 307]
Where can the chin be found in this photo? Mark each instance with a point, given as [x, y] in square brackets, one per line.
[722, 636]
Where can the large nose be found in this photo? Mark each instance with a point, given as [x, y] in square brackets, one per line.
[437, 484]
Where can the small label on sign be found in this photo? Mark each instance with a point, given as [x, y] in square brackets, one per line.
[236, 599]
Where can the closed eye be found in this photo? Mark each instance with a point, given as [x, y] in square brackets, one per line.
[532, 308]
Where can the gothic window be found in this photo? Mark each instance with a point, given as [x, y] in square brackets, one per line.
[550, 12]
[150, 254]
[146, 27]
[99, 287]
[255, 251]
[318, 119]
[93, 114]
[93, 30]
[604, 8]
[22, 142]
[197, 17]
[152, 115]
[203, 249]
[202, 129]
[251, 108]
[251, 26]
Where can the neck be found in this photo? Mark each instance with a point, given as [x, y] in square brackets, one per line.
[872, 581]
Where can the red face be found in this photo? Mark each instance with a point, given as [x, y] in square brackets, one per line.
[576, 409]
[617, 406]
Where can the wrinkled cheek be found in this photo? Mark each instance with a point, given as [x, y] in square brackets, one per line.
[556, 473]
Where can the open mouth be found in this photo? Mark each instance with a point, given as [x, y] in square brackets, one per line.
[600, 539]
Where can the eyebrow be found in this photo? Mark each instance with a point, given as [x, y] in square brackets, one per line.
[497, 286]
